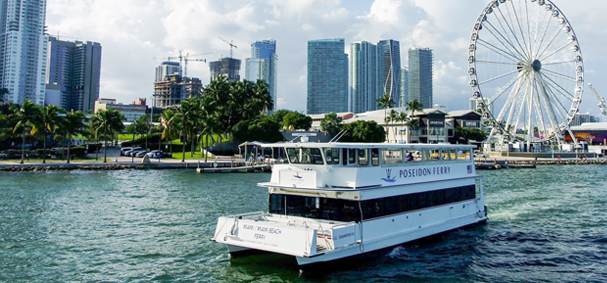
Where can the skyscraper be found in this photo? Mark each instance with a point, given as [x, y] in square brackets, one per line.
[364, 86]
[23, 48]
[389, 56]
[404, 87]
[167, 68]
[228, 67]
[74, 68]
[420, 75]
[327, 76]
[262, 65]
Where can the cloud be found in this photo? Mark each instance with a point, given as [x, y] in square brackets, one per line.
[134, 32]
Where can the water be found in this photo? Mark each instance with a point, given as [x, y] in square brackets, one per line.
[546, 225]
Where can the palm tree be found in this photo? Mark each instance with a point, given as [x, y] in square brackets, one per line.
[106, 123]
[413, 106]
[187, 114]
[25, 118]
[262, 96]
[385, 102]
[331, 124]
[49, 122]
[169, 130]
[392, 117]
[73, 125]
[402, 117]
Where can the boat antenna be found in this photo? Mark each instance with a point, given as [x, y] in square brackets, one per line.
[338, 136]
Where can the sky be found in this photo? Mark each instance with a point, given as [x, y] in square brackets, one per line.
[137, 35]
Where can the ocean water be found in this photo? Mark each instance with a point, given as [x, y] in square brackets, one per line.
[545, 225]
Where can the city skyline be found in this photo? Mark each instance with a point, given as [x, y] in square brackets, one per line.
[23, 44]
[135, 32]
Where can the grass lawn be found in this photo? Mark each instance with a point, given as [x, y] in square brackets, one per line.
[188, 155]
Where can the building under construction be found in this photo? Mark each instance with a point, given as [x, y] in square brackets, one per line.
[170, 91]
[228, 67]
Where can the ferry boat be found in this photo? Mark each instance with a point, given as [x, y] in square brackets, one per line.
[330, 201]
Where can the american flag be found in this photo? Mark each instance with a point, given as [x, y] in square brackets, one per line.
[162, 122]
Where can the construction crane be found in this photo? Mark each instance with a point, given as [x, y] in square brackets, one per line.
[231, 45]
[602, 103]
[183, 61]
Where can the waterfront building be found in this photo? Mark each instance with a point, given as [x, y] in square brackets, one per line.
[581, 118]
[23, 50]
[73, 74]
[420, 75]
[262, 65]
[170, 91]
[130, 112]
[167, 68]
[404, 87]
[228, 67]
[389, 69]
[327, 76]
[364, 86]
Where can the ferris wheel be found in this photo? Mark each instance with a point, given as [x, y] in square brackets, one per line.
[526, 71]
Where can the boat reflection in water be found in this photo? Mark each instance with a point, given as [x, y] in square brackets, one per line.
[338, 200]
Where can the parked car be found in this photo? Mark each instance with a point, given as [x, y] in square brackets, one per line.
[124, 150]
[141, 153]
[158, 154]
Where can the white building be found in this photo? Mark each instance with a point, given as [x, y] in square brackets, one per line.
[23, 50]
[130, 112]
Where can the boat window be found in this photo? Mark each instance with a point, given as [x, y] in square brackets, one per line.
[449, 154]
[431, 154]
[363, 157]
[347, 210]
[332, 155]
[411, 156]
[392, 156]
[344, 156]
[351, 156]
[375, 156]
[305, 156]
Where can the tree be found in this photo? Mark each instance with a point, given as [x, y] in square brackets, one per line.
[279, 115]
[187, 113]
[392, 117]
[169, 129]
[48, 122]
[331, 124]
[24, 118]
[364, 131]
[261, 128]
[297, 121]
[106, 123]
[468, 134]
[385, 102]
[413, 106]
[73, 124]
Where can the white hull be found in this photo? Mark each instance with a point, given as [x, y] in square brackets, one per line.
[371, 235]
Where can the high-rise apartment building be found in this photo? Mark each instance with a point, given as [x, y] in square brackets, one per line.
[389, 56]
[74, 68]
[327, 76]
[364, 85]
[167, 68]
[421, 70]
[404, 87]
[262, 65]
[23, 50]
[228, 67]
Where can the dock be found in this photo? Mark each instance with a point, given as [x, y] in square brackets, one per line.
[238, 169]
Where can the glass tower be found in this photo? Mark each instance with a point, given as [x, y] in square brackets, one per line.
[23, 50]
[365, 88]
[389, 57]
[262, 65]
[404, 87]
[420, 75]
[327, 76]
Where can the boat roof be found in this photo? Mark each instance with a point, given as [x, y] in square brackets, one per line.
[368, 145]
